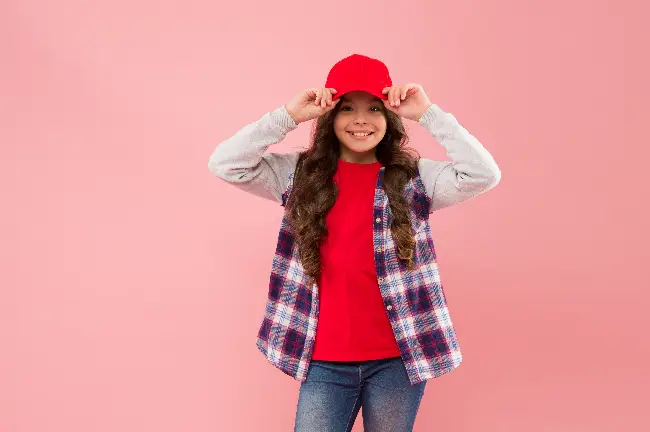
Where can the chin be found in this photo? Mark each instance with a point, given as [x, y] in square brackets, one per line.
[360, 149]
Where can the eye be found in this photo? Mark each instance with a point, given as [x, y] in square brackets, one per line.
[349, 108]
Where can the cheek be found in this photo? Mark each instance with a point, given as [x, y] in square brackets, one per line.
[339, 127]
[339, 122]
[381, 127]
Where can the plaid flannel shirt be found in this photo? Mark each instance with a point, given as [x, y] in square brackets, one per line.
[414, 300]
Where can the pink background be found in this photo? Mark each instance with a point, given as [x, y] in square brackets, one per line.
[133, 282]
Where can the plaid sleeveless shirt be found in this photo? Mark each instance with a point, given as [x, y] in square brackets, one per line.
[414, 299]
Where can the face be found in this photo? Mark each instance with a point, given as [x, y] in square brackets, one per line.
[359, 124]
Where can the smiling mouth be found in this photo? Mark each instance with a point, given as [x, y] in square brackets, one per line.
[360, 135]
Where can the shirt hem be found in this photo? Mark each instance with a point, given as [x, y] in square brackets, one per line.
[359, 357]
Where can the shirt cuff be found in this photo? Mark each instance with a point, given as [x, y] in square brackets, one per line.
[282, 118]
[428, 119]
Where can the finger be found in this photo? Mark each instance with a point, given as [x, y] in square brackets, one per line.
[311, 93]
[327, 97]
[389, 107]
[385, 90]
[396, 95]
[319, 96]
[413, 88]
[332, 105]
[333, 91]
[391, 96]
[405, 90]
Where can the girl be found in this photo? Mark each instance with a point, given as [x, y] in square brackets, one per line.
[355, 308]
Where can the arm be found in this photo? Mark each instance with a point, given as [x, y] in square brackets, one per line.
[242, 162]
[471, 171]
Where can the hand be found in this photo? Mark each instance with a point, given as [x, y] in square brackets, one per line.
[407, 100]
[311, 103]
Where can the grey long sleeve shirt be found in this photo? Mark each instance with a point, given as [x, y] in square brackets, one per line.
[243, 161]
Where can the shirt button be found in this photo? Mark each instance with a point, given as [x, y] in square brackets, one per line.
[378, 220]
[378, 249]
[389, 307]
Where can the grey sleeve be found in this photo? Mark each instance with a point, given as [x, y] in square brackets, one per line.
[241, 160]
[471, 171]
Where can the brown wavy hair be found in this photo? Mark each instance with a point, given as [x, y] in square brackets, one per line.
[314, 191]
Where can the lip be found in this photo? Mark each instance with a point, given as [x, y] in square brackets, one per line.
[361, 138]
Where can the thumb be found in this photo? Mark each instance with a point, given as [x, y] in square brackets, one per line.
[331, 107]
[389, 107]
[311, 94]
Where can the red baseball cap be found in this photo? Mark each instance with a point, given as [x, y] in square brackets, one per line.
[360, 73]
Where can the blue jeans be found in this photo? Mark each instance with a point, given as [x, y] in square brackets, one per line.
[333, 392]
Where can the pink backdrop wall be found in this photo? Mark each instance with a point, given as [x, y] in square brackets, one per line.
[133, 282]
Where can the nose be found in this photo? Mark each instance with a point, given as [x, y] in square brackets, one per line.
[360, 117]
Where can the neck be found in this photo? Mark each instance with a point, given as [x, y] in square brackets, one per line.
[360, 158]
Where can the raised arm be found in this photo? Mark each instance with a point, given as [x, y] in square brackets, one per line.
[242, 159]
[471, 171]
[243, 162]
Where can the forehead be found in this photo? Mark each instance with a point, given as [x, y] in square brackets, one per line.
[359, 97]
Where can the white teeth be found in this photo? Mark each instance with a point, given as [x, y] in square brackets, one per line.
[360, 134]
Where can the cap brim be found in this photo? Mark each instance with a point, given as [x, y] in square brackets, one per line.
[341, 92]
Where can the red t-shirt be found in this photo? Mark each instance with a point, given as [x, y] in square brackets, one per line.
[352, 321]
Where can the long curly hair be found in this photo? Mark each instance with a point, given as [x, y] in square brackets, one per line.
[314, 191]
